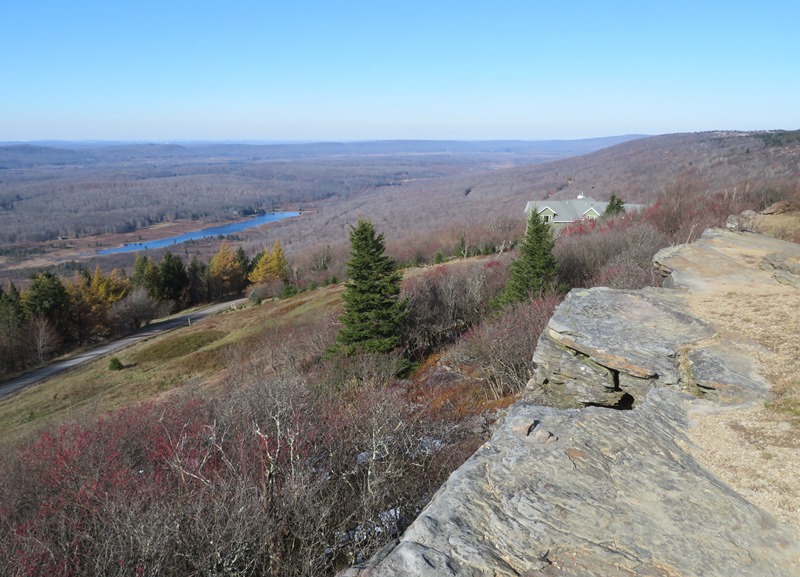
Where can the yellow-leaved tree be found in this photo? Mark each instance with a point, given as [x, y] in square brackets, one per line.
[272, 266]
[228, 276]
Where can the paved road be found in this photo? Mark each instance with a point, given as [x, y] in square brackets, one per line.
[153, 329]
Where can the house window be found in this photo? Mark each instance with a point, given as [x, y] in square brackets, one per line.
[546, 218]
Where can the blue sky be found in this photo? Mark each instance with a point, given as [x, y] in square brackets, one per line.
[325, 70]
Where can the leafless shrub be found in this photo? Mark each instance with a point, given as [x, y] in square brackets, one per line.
[502, 348]
[632, 267]
[358, 371]
[165, 308]
[136, 309]
[685, 209]
[263, 291]
[624, 272]
[447, 301]
[592, 257]
[271, 479]
[320, 260]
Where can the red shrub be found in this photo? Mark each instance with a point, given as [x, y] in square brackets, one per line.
[502, 348]
[270, 479]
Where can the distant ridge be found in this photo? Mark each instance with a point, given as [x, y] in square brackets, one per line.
[42, 153]
[637, 170]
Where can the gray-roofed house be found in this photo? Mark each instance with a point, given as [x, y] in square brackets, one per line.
[559, 213]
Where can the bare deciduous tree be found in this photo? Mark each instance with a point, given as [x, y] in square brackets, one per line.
[136, 309]
[44, 338]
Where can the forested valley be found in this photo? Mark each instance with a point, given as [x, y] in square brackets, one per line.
[298, 436]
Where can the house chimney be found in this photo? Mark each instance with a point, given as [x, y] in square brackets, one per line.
[580, 195]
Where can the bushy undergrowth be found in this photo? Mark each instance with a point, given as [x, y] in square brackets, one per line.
[446, 301]
[682, 212]
[502, 347]
[269, 479]
[618, 252]
[613, 252]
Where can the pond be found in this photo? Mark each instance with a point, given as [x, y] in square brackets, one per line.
[203, 233]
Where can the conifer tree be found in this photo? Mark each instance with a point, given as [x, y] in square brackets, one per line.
[260, 273]
[271, 266]
[12, 319]
[244, 263]
[227, 275]
[279, 268]
[48, 297]
[147, 275]
[198, 289]
[84, 306]
[535, 270]
[615, 206]
[173, 277]
[373, 310]
[92, 297]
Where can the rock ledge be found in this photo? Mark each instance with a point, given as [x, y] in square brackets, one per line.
[583, 489]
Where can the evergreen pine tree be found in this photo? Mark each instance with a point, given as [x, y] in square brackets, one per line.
[12, 319]
[244, 263]
[173, 277]
[198, 284]
[615, 206]
[373, 311]
[48, 297]
[147, 275]
[535, 270]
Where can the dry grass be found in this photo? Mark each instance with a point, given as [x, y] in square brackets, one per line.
[767, 322]
[177, 346]
[199, 354]
[755, 449]
[784, 226]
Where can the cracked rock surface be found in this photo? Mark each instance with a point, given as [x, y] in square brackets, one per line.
[578, 488]
[615, 494]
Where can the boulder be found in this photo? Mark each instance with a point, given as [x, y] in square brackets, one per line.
[744, 222]
[605, 345]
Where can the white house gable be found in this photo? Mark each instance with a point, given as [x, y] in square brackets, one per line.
[561, 212]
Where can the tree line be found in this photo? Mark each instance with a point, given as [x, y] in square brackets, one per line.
[54, 315]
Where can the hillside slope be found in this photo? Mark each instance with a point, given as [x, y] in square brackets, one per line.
[596, 491]
[638, 171]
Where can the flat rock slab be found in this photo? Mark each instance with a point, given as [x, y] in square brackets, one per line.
[720, 259]
[609, 347]
[615, 493]
[601, 322]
